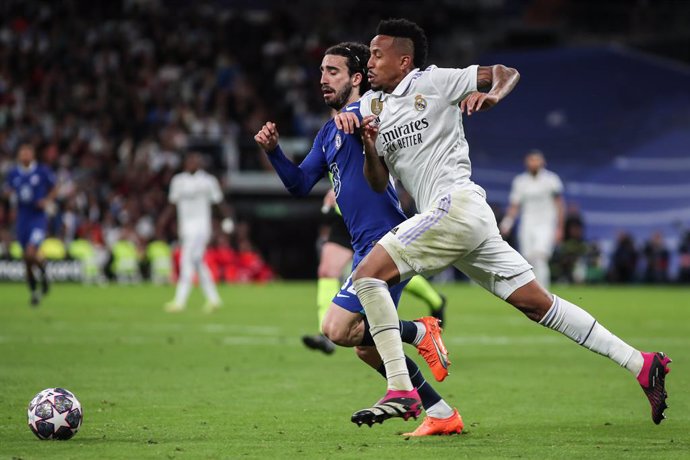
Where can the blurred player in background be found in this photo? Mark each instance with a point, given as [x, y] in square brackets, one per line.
[368, 215]
[194, 192]
[537, 196]
[413, 129]
[32, 186]
[336, 254]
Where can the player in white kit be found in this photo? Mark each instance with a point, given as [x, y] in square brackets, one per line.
[193, 192]
[537, 195]
[413, 130]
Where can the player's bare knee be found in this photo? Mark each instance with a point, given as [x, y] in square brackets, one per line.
[532, 300]
[327, 270]
[30, 254]
[338, 333]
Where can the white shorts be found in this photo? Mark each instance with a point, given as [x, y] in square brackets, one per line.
[460, 230]
[194, 247]
[536, 240]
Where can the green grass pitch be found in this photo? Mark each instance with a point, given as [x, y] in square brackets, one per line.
[239, 384]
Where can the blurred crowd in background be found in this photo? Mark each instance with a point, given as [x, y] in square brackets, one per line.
[113, 93]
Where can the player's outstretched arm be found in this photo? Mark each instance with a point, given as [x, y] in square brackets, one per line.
[500, 79]
[560, 223]
[375, 169]
[508, 220]
[298, 180]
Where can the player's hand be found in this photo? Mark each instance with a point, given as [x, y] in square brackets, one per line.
[370, 132]
[267, 137]
[558, 237]
[227, 225]
[347, 122]
[48, 206]
[506, 226]
[478, 101]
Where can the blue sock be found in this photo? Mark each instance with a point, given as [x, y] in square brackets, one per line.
[426, 391]
[408, 333]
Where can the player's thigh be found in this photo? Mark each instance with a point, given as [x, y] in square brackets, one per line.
[347, 298]
[497, 267]
[429, 242]
[194, 247]
[31, 239]
[334, 259]
[536, 241]
[378, 264]
[338, 317]
[30, 252]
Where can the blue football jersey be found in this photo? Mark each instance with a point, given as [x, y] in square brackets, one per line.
[30, 185]
[368, 215]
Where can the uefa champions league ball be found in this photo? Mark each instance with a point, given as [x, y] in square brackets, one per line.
[55, 413]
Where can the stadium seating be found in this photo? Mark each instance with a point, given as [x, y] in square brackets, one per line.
[621, 150]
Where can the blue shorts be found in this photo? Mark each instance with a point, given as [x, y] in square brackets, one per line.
[347, 297]
[31, 233]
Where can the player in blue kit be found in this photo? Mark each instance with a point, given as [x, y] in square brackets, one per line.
[33, 187]
[368, 216]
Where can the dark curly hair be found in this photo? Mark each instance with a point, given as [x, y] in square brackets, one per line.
[402, 28]
[357, 55]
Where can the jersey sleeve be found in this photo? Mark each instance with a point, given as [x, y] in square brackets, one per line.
[7, 186]
[364, 105]
[299, 180]
[515, 192]
[556, 186]
[454, 84]
[49, 177]
[216, 194]
[174, 192]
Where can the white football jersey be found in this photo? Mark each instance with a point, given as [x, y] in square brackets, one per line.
[535, 196]
[194, 194]
[421, 137]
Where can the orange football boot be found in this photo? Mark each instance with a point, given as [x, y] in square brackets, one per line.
[432, 348]
[439, 426]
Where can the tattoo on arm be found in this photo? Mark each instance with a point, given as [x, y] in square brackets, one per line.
[484, 77]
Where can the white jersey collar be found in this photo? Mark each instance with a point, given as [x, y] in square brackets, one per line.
[27, 169]
[404, 84]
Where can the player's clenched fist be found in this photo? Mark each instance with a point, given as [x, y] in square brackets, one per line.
[267, 137]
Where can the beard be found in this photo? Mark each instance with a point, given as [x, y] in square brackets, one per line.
[340, 98]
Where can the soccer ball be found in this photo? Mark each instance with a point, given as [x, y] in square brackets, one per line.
[55, 413]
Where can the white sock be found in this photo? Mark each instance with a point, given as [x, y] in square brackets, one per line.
[385, 330]
[184, 282]
[440, 410]
[575, 323]
[207, 284]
